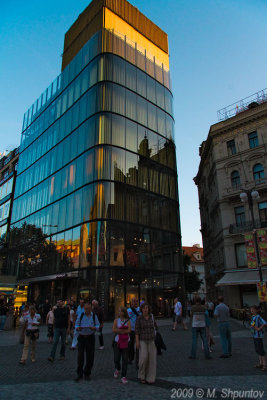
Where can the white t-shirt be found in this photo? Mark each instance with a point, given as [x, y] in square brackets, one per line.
[198, 320]
[31, 320]
[178, 308]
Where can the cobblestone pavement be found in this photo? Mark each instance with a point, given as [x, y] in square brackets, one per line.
[176, 373]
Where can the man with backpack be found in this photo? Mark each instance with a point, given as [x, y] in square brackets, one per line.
[86, 325]
[61, 328]
[133, 312]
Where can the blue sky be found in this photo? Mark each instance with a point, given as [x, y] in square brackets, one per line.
[217, 56]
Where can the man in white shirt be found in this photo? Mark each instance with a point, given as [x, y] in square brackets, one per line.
[178, 315]
[86, 326]
[79, 311]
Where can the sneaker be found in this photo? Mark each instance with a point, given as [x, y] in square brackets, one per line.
[116, 374]
[50, 359]
[101, 347]
[62, 357]
[33, 360]
[124, 380]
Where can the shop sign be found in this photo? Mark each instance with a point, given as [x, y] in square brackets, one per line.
[250, 250]
[262, 244]
[262, 292]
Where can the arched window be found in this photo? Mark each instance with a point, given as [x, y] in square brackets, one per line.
[235, 179]
[258, 173]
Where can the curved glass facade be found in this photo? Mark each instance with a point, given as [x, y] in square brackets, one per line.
[97, 179]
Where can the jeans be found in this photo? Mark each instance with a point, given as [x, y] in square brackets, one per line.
[202, 333]
[86, 344]
[101, 339]
[226, 337]
[59, 332]
[2, 321]
[118, 354]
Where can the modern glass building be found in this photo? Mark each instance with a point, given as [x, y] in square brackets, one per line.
[96, 209]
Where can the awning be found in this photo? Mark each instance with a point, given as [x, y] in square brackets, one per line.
[72, 274]
[242, 277]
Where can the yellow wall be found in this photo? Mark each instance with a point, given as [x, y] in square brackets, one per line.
[112, 21]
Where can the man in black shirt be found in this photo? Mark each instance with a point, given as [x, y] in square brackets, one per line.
[61, 327]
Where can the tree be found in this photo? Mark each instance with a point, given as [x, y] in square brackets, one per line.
[191, 278]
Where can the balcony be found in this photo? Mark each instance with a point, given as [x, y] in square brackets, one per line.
[246, 226]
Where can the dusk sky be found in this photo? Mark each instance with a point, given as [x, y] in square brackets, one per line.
[218, 55]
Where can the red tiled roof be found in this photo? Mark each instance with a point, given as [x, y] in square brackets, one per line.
[192, 251]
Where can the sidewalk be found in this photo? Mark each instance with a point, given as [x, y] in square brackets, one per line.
[174, 370]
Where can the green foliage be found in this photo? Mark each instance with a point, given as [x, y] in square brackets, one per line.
[191, 278]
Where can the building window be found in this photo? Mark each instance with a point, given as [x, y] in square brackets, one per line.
[263, 213]
[258, 173]
[231, 149]
[241, 256]
[240, 215]
[235, 179]
[4, 174]
[253, 140]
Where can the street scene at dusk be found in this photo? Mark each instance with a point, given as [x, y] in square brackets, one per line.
[133, 199]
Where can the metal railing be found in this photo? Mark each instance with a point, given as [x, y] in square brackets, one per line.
[246, 226]
[242, 105]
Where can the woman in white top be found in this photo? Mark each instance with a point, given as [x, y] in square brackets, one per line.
[32, 322]
[122, 328]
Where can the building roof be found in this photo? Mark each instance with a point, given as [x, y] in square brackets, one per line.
[195, 253]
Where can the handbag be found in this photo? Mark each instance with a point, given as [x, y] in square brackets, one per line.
[159, 343]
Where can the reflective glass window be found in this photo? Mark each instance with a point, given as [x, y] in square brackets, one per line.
[141, 110]
[118, 100]
[143, 147]
[77, 214]
[131, 168]
[152, 117]
[160, 95]
[118, 165]
[130, 105]
[103, 163]
[151, 89]
[131, 136]
[118, 70]
[87, 203]
[130, 77]
[117, 196]
[103, 129]
[141, 83]
[118, 130]
[89, 167]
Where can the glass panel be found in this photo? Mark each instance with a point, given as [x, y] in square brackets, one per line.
[143, 147]
[141, 110]
[131, 168]
[131, 77]
[130, 105]
[118, 100]
[131, 136]
[154, 180]
[160, 95]
[103, 163]
[103, 129]
[118, 165]
[77, 217]
[75, 249]
[161, 122]
[89, 166]
[152, 117]
[141, 83]
[118, 70]
[118, 130]
[153, 145]
[151, 89]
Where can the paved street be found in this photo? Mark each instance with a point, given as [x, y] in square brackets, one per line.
[175, 371]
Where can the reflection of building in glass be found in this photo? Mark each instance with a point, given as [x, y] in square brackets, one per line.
[97, 171]
[8, 166]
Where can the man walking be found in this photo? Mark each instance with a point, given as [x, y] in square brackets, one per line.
[97, 310]
[223, 316]
[133, 312]
[178, 315]
[86, 325]
[199, 328]
[61, 327]
[78, 313]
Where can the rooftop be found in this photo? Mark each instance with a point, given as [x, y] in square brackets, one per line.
[247, 103]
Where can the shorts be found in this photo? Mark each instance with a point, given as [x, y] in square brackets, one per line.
[258, 343]
[178, 319]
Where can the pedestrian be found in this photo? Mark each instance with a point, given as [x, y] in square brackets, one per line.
[61, 328]
[32, 322]
[145, 332]
[198, 328]
[223, 316]
[133, 312]
[3, 314]
[86, 326]
[100, 315]
[210, 307]
[189, 307]
[24, 312]
[178, 315]
[257, 325]
[46, 308]
[122, 328]
[50, 324]
[78, 313]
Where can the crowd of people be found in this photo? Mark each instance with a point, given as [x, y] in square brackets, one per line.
[135, 331]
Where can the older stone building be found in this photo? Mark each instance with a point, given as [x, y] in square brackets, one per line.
[233, 160]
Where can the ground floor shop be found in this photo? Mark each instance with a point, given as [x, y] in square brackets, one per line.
[112, 287]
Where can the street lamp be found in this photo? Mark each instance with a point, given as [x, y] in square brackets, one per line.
[249, 196]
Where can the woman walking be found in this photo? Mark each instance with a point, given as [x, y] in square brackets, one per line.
[32, 321]
[122, 328]
[145, 329]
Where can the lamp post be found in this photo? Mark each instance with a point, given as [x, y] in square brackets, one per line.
[249, 196]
